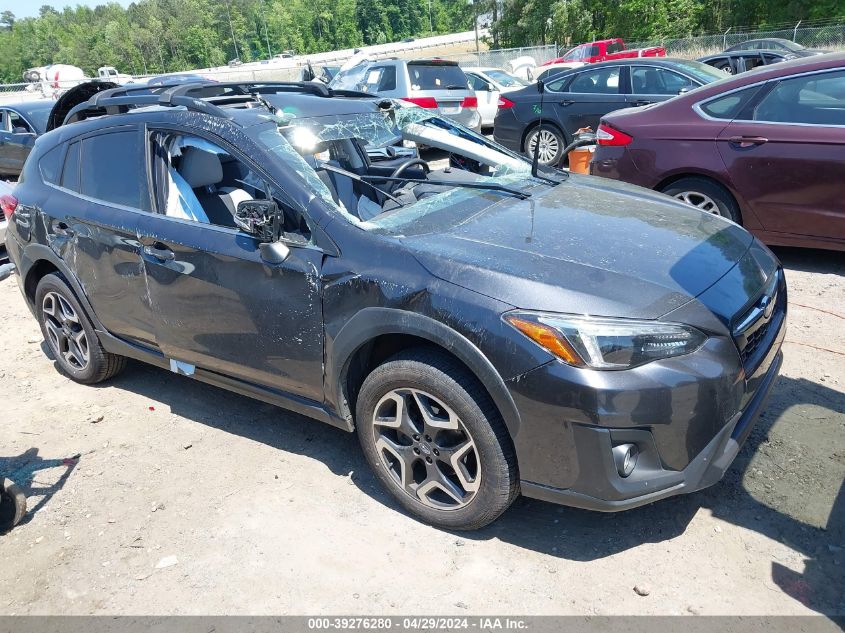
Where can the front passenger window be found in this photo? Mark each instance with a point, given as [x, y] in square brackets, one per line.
[18, 125]
[603, 81]
[646, 80]
[817, 99]
[200, 181]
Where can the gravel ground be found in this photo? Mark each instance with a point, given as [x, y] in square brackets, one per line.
[188, 499]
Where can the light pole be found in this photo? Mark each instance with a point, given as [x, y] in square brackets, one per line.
[430, 21]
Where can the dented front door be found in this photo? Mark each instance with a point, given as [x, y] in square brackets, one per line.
[221, 308]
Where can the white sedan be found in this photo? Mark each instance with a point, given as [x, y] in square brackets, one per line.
[489, 84]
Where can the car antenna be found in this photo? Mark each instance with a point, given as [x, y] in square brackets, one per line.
[535, 160]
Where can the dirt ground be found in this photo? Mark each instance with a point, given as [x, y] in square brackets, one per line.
[189, 500]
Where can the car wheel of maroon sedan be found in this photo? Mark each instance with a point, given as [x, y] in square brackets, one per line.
[705, 195]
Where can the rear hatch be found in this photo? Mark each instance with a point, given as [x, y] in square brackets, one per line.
[444, 82]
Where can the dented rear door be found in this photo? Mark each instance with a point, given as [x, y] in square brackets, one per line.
[101, 205]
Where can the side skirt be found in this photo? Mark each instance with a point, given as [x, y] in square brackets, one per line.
[282, 399]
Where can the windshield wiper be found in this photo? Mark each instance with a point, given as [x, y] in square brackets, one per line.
[451, 183]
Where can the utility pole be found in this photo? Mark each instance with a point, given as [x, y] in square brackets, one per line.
[430, 21]
[266, 37]
[475, 19]
[232, 29]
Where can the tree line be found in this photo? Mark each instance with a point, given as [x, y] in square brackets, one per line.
[523, 22]
[154, 36]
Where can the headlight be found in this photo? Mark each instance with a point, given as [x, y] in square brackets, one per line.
[603, 343]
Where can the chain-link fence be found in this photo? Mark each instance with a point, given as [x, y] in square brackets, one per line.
[827, 37]
[500, 58]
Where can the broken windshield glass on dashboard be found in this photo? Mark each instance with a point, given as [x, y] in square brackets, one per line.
[392, 166]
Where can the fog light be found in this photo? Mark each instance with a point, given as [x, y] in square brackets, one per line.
[625, 457]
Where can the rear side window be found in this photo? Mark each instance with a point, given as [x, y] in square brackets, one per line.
[477, 83]
[51, 165]
[436, 77]
[614, 47]
[113, 169]
[380, 78]
[70, 171]
[388, 79]
[729, 106]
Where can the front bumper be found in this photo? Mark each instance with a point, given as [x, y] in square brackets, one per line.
[599, 486]
[687, 416]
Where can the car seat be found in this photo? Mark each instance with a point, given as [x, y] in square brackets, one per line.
[203, 172]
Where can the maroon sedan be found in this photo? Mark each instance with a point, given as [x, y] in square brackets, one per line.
[765, 149]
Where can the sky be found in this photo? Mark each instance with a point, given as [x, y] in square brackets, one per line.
[29, 8]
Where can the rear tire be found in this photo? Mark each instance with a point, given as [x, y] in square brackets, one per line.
[436, 441]
[552, 144]
[70, 335]
[705, 195]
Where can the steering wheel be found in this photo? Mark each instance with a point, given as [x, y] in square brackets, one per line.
[408, 163]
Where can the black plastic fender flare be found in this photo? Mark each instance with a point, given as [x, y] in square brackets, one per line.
[370, 323]
[32, 254]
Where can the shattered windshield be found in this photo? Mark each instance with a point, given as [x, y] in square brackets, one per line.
[394, 166]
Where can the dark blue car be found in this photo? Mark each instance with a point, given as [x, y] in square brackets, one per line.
[20, 124]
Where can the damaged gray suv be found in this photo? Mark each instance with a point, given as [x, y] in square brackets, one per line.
[487, 327]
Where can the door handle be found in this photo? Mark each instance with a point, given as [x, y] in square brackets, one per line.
[747, 141]
[160, 252]
[642, 102]
[567, 102]
[60, 228]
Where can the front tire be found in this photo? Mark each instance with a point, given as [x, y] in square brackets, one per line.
[436, 441]
[70, 335]
[705, 195]
[552, 144]
[12, 505]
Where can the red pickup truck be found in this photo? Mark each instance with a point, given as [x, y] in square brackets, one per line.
[604, 50]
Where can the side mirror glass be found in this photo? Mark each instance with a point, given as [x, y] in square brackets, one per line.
[260, 218]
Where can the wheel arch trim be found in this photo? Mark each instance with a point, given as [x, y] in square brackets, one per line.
[35, 253]
[716, 179]
[535, 123]
[370, 323]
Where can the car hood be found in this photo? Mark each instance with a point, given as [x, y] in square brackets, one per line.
[586, 246]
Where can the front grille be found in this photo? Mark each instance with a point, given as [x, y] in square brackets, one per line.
[753, 342]
[751, 331]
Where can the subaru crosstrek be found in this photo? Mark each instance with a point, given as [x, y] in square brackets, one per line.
[486, 326]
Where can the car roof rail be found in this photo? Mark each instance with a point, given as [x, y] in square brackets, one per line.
[318, 89]
[117, 103]
[114, 100]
